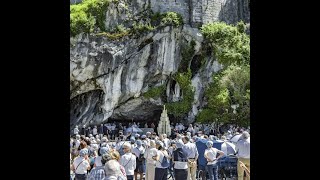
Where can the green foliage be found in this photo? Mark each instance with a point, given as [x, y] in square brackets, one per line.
[118, 32]
[121, 29]
[230, 87]
[171, 18]
[90, 14]
[155, 18]
[155, 92]
[115, 35]
[229, 43]
[205, 115]
[241, 27]
[84, 17]
[140, 28]
[187, 53]
[181, 108]
[166, 19]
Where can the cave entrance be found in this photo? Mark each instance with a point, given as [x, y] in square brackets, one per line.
[155, 118]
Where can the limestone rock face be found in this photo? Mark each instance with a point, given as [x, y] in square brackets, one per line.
[109, 77]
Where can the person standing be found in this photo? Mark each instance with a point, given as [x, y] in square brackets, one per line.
[180, 162]
[75, 131]
[83, 132]
[151, 163]
[81, 165]
[88, 131]
[210, 154]
[128, 161]
[161, 158]
[94, 131]
[105, 129]
[98, 172]
[243, 153]
[100, 131]
[113, 171]
[165, 141]
[139, 151]
[192, 155]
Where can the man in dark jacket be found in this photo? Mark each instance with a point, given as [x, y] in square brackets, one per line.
[180, 162]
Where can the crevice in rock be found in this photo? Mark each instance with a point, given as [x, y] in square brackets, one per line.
[144, 43]
[195, 64]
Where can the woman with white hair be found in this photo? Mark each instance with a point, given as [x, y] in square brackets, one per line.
[128, 161]
[113, 172]
[210, 154]
[81, 165]
[150, 165]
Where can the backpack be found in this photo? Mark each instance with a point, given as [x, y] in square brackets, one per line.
[165, 162]
[141, 157]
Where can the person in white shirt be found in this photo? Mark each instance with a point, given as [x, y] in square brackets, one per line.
[243, 153]
[190, 128]
[81, 165]
[192, 155]
[76, 130]
[211, 155]
[95, 131]
[229, 135]
[139, 151]
[161, 171]
[128, 161]
[145, 141]
[166, 141]
[77, 141]
[151, 163]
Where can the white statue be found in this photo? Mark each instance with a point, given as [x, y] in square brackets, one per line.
[164, 123]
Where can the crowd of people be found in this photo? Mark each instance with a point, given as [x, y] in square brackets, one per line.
[96, 155]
